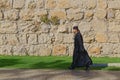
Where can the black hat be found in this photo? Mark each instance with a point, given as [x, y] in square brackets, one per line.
[75, 27]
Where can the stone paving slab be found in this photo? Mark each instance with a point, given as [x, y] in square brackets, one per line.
[38, 74]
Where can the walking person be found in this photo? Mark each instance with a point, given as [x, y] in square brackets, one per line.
[80, 55]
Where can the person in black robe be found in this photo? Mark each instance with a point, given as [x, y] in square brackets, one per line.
[80, 55]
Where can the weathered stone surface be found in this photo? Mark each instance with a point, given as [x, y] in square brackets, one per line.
[11, 14]
[99, 25]
[6, 50]
[6, 4]
[31, 4]
[18, 4]
[113, 37]
[110, 14]
[114, 4]
[58, 13]
[59, 38]
[45, 38]
[101, 37]
[59, 49]
[100, 13]
[90, 4]
[45, 28]
[1, 15]
[32, 39]
[95, 50]
[22, 38]
[50, 4]
[39, 13]
[102, 4]
[63, 3]
[27, 14]
[70, 49]
[116, 48]
[77, 4]
[85, 26]
[68, 38]
[11, 39]
[8, 27]
[74, 14]
[40, 3]
[107, 50]
[2, 37]
[89, 37]
[117, 15]
[114, 26]
[39, 50]
[63, 28]
[89, 15]
[28, 27]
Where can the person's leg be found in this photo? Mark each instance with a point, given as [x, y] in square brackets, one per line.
[87, 66]
[73, 65]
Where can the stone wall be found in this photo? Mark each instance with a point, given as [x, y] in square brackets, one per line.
[22, 32]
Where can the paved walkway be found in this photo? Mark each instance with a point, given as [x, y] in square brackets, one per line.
[37, 74]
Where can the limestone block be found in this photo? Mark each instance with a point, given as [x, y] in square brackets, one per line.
[22, 38]
[50, 4]
[1, 15]
[89, 37]
[18, 4]
[95, 50]
[27, 14]
[11, 39]
[113, 37]
[59, 49]
[102, 4]
[31, 4]
[100, 13]
[85, 26]
[39, 50]
[28, 27]
[114, 26]
[6, 50]
[58, 13]
[70, 49]
[40, 3]
[89, 15]
[32, 39]
[107, 49]
[68, 38]
[45, 28]
[99, 25]
[63, 4]
[6, 4]
[45, 38]
[101, 37]
[117, 15]
[20, 50]
[114, 4]
[63, 28]
[110, 14]
[90, 4]
[11, 14]
[59, 38]
[74, 14]
[8, 27]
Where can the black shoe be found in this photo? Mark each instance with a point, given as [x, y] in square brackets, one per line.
[71, 68]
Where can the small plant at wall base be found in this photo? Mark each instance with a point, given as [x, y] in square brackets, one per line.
[53, 20]
[44, 18]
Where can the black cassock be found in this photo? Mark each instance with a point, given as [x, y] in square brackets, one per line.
[80, 55]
